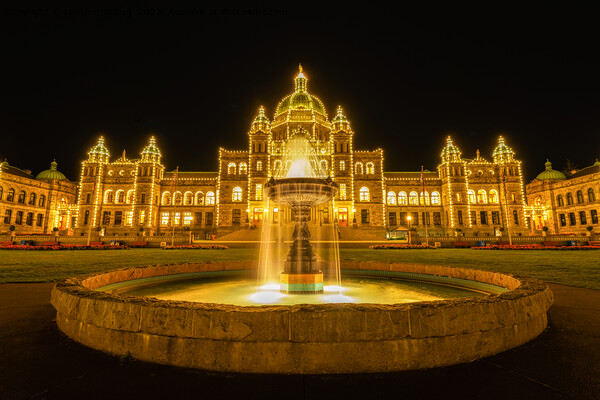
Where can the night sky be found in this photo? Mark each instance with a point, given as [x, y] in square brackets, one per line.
[406, 79]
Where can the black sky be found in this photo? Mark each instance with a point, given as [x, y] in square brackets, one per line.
[406, 78]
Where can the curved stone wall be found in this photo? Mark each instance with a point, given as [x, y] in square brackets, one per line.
[307, 339]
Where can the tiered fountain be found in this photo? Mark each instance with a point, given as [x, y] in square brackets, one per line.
[202, 315]
[303, 186]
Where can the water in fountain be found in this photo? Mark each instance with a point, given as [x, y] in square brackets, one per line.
[300, 183]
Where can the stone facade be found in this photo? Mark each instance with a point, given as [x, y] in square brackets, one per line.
[567, 204]
[35, 205]
[468, 195]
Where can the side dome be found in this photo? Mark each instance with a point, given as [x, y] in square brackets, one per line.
[550, 173]
[300, 99]
[51, 174]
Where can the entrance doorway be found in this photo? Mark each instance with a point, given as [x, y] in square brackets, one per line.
[343, 216]
[258, 216]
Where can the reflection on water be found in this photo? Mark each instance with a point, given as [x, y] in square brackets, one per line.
[354, 290]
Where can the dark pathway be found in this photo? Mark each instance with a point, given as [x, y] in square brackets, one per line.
[37, 361]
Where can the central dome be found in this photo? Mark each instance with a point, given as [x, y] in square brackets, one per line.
[300, 99]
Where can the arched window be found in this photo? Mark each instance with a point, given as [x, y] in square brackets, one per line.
[108, 196]
[560, 201]
[435, 198]
[391, 198]
[188, 199]
[364, 194]
[424, 198]
[32, 199]
[130, 196]
[569, 198]
[21, 198]
[42, 201]
[324, 165]
[359, 168]
[11, 195]
[471, 196]
[199, 198]
[210, 198]
[413, 199]
[236, 194]
[402, 199]
[579, 196]
[481, 196]
[493, 196]
[177, 198]
[120, 196]
[63, 201]
[243, 168]
[370, 168]
[231, 169]
[591, 195]
[277, 167]
[166, 199]
[538, 201]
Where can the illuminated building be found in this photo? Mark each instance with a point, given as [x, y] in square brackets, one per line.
[566, 204]
[465, 195]
[36, 205]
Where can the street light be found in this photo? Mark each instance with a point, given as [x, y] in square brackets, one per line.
[409, 218]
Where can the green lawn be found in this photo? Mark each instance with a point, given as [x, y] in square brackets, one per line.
[577, 268]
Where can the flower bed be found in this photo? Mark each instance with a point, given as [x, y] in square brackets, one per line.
[535, 247]
[196, 247]
[387, 246]
[62, 247]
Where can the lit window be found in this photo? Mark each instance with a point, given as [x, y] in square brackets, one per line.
[176, 219]
[142, 216]
[342, 165]
[128, 218]
[342, 191]
[413, 199]
[166, 199]
[188, 198]
[359, 168]
[210, 198]
[130, 196]
[424, 198]
[364, 194]
[243, 169]
[538, 201]
[370, 168]
[391, 198]
[402, 199]
[164, 219]
[435, 198]
[259, 165]
[493, 196]
[120, 196]
[481, 196]
[231, 169]
[177, 197]
[471, 196]
[199, 198]
[237, 194]
[258, 192]
[108, 196]
[187, 218]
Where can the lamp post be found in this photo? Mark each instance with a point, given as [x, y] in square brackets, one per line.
[409, 218]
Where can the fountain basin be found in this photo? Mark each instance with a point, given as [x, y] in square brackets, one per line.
[319, 339]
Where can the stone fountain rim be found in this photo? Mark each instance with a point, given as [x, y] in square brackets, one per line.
[525, 286]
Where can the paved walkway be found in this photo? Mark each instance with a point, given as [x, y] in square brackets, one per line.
[37, 361]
